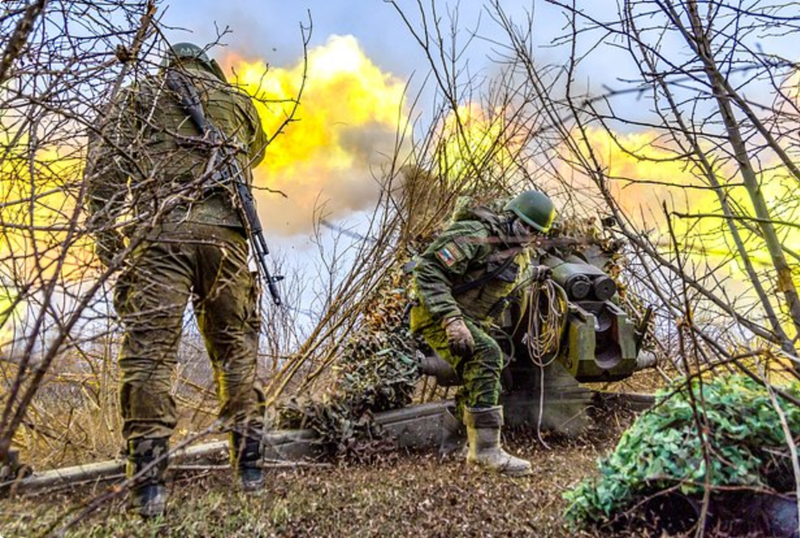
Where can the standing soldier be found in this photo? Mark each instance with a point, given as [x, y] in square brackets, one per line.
[463, 281]
[153, 156]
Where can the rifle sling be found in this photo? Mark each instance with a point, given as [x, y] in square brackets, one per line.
[189, 100]
[472, 284]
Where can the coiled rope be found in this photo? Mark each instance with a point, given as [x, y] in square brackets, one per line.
[547, 317]
[547, 320]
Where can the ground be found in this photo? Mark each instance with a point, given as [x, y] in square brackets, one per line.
[396, 494]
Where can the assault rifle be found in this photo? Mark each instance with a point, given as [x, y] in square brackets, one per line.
[227, 171]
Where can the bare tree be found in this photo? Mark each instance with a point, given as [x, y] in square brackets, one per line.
[715, 118]
[53, 82]
[63, 64]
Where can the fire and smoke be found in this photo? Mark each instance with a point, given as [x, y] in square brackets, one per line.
[470, 137]
[642, 173]
[37, 185]
[645, 174]
[344, 130]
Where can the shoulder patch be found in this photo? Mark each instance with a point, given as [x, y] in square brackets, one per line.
[450, 254]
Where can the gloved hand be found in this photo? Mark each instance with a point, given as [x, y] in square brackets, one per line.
[109, 242]
[542, 273]
[459, 339]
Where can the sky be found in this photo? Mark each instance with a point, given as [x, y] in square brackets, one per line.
[269, 31]
[363, 38]
[270, 28]
[338, 169]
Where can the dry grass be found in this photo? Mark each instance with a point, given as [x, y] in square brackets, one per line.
[399, 494]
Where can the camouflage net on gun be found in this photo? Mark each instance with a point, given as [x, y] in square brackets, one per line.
[377, 371]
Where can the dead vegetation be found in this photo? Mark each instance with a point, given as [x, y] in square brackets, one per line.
[713, 252]
[397, 494]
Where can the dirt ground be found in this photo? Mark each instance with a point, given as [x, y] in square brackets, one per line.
[395, 494]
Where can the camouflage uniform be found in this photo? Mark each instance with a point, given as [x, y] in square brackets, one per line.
[196, 250]
[475, 245]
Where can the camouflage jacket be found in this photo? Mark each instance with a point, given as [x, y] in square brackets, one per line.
[473, 247]
[151, 150]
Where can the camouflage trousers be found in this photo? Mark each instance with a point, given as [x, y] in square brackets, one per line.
[207, 264]
[479, 374]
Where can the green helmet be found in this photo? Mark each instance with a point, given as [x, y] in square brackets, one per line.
[186, 50]
[190, 51]
[534, 208]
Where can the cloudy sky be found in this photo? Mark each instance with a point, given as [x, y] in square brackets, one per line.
[361, 49]
[329, 156]
[270, 28]
[361, 55]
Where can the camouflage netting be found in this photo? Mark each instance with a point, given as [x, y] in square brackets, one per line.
[589, 238]
[377, 371]
[662, 453]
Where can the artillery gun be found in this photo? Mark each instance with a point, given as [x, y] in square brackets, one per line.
[594, 340]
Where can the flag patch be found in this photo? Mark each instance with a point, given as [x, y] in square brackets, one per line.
[448, 255]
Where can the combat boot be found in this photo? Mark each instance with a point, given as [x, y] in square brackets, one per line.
[246, 461]
[149, 492]
[453, 441]
[483, 433]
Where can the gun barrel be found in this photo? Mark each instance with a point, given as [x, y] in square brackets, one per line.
[261, 252]
[248, 207]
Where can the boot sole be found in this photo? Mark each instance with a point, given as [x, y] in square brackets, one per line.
[149, 512]
[252, 488]
[515, 474]
[501, 470]
[152, 514]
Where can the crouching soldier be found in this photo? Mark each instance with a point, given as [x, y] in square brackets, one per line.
[463, 282]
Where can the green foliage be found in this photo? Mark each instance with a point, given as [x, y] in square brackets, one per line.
[662, 449]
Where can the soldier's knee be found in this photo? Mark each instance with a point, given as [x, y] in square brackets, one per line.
[490, 356]
[145, 370]
[486, 345]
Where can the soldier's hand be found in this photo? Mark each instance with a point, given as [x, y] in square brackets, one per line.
[459, 339]
[108, 244]
[542, 273]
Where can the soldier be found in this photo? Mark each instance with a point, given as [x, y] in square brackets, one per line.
[463, 281]
[153, 157]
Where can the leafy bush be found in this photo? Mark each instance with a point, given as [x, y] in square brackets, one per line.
[662, 448]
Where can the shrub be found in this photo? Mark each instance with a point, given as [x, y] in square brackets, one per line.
[662, 449]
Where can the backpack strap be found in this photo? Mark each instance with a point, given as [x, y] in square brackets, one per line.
[472, 284]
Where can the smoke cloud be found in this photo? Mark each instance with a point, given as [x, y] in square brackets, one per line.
[344, 130]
